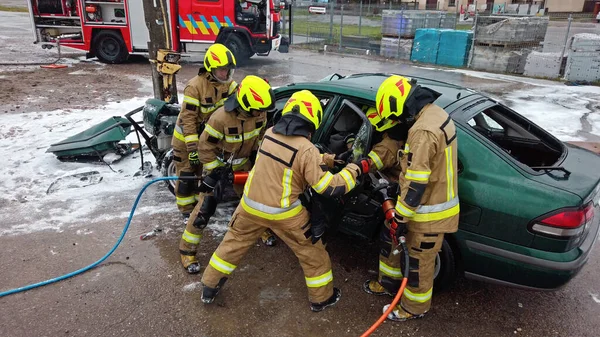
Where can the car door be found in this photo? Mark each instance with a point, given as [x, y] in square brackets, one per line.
[357, 212]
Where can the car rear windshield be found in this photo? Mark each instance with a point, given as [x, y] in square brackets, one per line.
[520, 138]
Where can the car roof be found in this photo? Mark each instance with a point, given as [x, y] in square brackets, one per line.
[365, 86]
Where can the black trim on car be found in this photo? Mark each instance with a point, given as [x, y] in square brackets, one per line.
[481, 278]
[534, 261]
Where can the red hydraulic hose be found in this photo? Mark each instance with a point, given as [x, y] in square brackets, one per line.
[388, 211]
[388, 311]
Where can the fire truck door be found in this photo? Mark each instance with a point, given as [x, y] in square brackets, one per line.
[202, 21]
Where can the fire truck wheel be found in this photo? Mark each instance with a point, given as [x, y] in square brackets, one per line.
[239, 48]
[109, 47]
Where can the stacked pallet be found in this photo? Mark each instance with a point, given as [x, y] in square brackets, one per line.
[398, 28]
[543, 64]
[445, 47]
[583, 60]
[503, 44]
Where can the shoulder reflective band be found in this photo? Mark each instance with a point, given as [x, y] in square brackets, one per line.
[406, 148]
[375, 158]
[221, 265]
[438, 211]
[323, 183]
[191, 238]
[418, 297]
[449, 174]
[268, 212]
[350, 183]
[287, 187]
[212, 131]
[389, 271]
[191, 100]
[319, 281]
[422, 176]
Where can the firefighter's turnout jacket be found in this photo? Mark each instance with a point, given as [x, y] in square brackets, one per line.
[284, 168]
[202, 96]
[228, 137]
[384, 157]
[428, 200]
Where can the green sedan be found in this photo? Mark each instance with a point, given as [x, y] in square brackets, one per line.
[529, 203]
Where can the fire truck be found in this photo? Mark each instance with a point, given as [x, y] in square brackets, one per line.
[111, 30]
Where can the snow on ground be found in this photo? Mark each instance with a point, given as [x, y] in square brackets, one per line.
[28, 172]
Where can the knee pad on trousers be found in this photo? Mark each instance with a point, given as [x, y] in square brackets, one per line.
[186, 187]
[208, 208]
[390, 284]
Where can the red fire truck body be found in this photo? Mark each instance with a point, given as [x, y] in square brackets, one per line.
[113, 29]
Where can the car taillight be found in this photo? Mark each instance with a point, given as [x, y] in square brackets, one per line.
[566, 222]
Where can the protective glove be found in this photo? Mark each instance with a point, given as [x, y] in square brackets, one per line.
[193, 158]
[209, 181]
[398, 228]
[343, 157]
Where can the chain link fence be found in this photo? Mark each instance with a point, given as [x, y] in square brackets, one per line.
[503, 42]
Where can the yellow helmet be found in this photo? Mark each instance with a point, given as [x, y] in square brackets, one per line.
[379, 123]
[255, 94]
[306, 105]
[218, 56]
[391, 96]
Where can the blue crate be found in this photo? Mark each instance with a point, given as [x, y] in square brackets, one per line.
[454, 47]
[426, 45]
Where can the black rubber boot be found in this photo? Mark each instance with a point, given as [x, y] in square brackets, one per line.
[209, 294]
[337, 294]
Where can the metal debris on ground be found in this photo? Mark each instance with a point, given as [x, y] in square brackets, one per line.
[151, 234]
[76, 180]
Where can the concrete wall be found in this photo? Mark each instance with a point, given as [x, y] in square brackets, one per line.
[565, 5]
[552, 5]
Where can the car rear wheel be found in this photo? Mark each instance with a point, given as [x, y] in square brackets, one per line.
[445, 267]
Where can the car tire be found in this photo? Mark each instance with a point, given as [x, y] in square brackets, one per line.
[109, 47]
[168, 170]
[447, 271]
[239, 48]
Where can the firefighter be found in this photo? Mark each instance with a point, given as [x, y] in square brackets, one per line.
[203, 94]
[229, 141]
[286, 165]
[427, 203]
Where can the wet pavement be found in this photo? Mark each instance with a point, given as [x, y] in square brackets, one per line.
[141, 290]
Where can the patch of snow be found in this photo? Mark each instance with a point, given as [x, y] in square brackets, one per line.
[192, 286]
[81, 72]
[595, 297]
[28, 171]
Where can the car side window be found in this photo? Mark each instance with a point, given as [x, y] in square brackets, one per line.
[516, 136]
